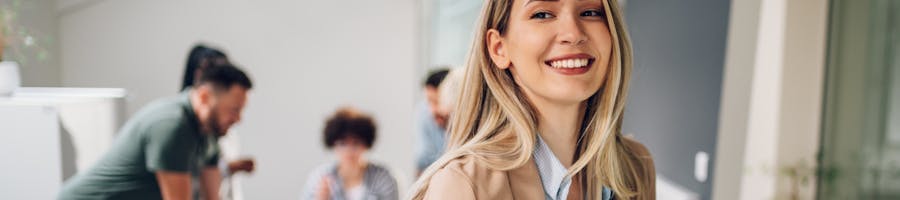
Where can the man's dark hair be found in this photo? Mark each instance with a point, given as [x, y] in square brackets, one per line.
[200, 58]
[436, 77]
[223, 76]
[349, 123]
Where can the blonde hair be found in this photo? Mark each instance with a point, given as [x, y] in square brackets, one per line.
[494, 124]
[450, 87]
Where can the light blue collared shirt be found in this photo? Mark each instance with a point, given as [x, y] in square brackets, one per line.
[554, 175]
[432, 138]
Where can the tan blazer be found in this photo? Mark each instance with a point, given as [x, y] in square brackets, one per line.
[465, 179]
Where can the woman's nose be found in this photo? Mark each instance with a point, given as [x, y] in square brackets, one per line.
[571, 31]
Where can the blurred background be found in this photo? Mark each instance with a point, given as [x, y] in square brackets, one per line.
[736, 99]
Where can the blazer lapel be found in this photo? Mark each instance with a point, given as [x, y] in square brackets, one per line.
[525, 182]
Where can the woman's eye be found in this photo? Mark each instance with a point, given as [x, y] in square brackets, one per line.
[541, 15]
[592, 13]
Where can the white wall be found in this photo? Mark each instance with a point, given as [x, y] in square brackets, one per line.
[736, 82]
[306, 58]
[802, 94]
[762, 132]
[450, 30]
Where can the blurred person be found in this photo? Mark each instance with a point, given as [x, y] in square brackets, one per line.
[435, 142]
[350, 134]
[156, 151]
[448, 93]
[431, 122]
[540, 112]
[200, 58]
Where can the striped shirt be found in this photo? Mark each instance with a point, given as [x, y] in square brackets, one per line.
[378, 183]
[554, 175]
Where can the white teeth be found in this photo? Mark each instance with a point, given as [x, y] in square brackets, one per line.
[569, 63]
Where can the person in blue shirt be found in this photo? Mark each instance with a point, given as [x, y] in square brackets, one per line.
[432, 121]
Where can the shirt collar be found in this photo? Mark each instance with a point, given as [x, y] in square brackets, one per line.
[554, 176]
[185, 99]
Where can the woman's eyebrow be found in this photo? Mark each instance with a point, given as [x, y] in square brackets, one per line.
[529, 1]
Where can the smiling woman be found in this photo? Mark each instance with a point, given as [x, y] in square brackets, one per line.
[540, 112]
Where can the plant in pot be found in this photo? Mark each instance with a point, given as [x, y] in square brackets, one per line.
[19, 44]
[9, 71]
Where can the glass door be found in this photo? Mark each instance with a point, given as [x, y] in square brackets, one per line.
[860, 152]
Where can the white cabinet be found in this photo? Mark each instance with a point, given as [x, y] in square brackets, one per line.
[30, 149]
[49, 134]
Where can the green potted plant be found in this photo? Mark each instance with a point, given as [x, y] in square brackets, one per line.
[9, 70]
[20, 45]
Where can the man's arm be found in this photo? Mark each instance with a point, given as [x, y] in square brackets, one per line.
[211, 178]
[174, 185]
[240, 165]
[168, 154]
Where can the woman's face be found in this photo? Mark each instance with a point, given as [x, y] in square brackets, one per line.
[557, 50]
[349, 150]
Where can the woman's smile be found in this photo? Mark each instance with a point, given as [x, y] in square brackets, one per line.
[571, 64]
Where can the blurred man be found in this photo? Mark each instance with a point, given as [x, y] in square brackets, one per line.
[200, 58]
[164, 142]
[432, 122]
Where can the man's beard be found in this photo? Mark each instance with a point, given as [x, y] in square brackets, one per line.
[214, 125]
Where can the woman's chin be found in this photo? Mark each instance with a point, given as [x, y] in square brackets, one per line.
[569, 97]
[575, 94]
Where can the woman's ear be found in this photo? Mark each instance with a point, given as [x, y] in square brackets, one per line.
[497, 49]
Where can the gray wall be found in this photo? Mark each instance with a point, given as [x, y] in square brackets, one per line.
[674, 100]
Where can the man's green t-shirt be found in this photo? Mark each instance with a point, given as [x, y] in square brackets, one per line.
[163, 136]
